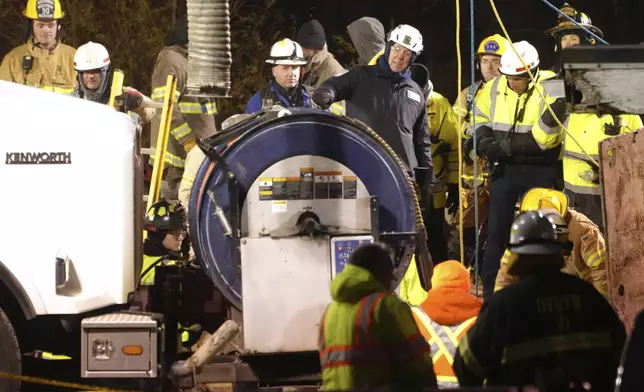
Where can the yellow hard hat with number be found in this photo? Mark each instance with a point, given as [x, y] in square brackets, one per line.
[43, 9]
[494, 45]
[539, 198]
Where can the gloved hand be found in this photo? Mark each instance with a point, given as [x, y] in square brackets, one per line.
[323, 97]
[442, 148]
[499, 150]
[468, 147]
[130, 100]
[559, 107]
[453, 199]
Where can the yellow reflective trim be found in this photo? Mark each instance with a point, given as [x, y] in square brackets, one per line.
[451, 379]
[158, 93]
[171, 160]
[337, 109]
[556, 344]
[181, 131]
[596, 258]
[208, 108]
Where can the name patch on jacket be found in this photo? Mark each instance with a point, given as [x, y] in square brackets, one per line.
[413, 95]
[38, 158]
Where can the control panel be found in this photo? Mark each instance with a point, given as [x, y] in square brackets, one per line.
[342, 248]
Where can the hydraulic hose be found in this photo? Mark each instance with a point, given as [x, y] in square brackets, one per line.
[532, 78]
[209, 56]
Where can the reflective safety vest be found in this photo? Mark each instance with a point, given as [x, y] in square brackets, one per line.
[351, 357]
[147, 278]
[443, 340]
[507, 112]
[580, 174]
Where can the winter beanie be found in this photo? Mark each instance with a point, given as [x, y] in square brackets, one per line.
[311, 35]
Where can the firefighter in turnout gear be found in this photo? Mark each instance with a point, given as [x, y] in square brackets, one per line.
[585, 130]
[521, 149]
[43, 61]
[192, 118]
[284, 88]
[446, 315]
[488, 61]
[588, 257]
[550, 330]
[166, 224]
[368, 337]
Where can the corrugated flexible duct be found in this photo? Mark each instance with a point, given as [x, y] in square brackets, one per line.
[209, 57]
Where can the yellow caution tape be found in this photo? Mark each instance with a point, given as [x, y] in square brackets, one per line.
[62, 384]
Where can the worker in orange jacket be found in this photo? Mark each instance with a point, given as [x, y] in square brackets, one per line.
[445, 316]
[587, 260]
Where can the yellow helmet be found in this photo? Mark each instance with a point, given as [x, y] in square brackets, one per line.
[494, 45]
[544, 198]
[43, 9]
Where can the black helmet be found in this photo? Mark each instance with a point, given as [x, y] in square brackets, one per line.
[164, 215]
[539, 233]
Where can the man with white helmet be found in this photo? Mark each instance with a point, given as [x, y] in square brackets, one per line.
[93, 65]
[389, 101]
[284, 88]
[43, 61]
[521, 154]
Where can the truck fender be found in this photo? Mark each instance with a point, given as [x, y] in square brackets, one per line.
[17, 291]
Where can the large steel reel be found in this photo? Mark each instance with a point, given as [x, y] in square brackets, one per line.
[222, 184]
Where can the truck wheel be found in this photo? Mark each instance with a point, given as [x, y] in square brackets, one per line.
[10, 359]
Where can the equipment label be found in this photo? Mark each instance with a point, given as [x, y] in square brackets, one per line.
[350, 187]
[279, 206]
[321, 185]
[335, 185]
[265, 188]
[306, 183]
[309, 185]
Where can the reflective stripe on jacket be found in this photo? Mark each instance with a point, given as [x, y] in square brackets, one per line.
[588, 131]
[587, 259]
[373, 342]
[51, 70]
[463, 110]
[443, 340]
[192, 118]
[518, 117]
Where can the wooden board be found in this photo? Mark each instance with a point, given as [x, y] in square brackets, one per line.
[622, 175]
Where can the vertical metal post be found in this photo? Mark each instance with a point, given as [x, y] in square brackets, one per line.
[476, 174]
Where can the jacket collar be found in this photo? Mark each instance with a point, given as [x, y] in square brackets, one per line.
[317, 60]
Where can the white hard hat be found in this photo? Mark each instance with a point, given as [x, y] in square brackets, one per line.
[286, 52]
[91, 56]
[512, 65]
[408, 37]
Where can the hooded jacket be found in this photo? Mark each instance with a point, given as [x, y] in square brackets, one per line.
[392, 105]
[446, 315]
[395, 347]
[368, 37]
[321, 67]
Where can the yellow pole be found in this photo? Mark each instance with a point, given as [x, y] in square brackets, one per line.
[460, 137]
[162, 140]
[117, 86]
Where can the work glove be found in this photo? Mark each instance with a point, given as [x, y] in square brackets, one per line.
[130, 100]
[324, 97]
[468, 147]
[453, 199]
[498, 150]
[559, 108]
[442, 148]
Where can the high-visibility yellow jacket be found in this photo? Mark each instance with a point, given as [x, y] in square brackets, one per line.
[443, 128]
[410, 289]
[147, 278]
[463, 110]
[368, 338]
[588, 130]
[51, 70]
[192, 117]
[504, 111]
[587, 259]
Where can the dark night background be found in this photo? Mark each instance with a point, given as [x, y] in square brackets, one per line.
[133, 31]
